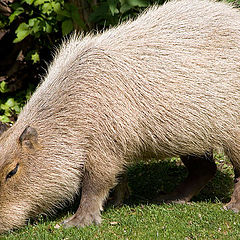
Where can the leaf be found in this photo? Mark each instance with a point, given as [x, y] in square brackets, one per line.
[15, 5]
[22, 31]
[100, 13]
[10, 102]
[36, 25]
[48, 27]
[47, 8]
[4, 119]
[113, 6]
[17, 109]
[3, 87]
[40, 2]
[31, 22]
[125, 7]
[4, 107]
[16, 13]
[8, 114]
[137, 3]
[28, 1]
[67, 27]
[76, 18]
[64, 13]
[35, 57]
[28, 94]
[56, 7]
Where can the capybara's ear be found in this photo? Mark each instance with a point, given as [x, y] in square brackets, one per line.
[29, 137]
[3, 128]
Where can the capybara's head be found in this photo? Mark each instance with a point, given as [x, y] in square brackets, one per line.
[33, 179]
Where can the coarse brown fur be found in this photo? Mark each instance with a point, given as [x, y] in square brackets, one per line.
[165, 84]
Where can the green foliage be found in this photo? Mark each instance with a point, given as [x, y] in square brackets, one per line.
[3, 87]
[35, 57]
[43, 17]
[43, 20]
[11, 106]
[110, 12]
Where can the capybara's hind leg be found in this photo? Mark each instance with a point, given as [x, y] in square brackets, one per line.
[200, 170]
[120, 193]
[234, 204]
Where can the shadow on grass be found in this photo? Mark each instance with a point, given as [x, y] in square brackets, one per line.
[148, 180]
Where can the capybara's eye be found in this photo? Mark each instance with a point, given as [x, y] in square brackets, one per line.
[10, 174]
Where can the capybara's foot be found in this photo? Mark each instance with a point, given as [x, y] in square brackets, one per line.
[235, 207]
[170, 198]
[82, 220]
[234, 204]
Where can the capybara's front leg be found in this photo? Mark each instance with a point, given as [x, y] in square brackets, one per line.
[89, 210]
[98, 179]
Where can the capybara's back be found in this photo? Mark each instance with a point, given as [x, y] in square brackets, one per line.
[165, 84]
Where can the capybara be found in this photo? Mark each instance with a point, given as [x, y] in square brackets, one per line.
[3, 127]
[165, 84]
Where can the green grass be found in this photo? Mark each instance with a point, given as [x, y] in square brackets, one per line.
[203, 218]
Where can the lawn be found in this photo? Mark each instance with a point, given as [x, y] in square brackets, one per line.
[203, 218]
